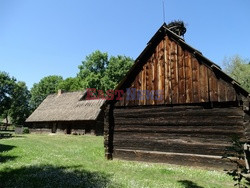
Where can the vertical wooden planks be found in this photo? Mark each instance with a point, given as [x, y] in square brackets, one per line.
[139, 87]
[153, 76]
[188, 73]
[142, 88]
[156, 79]
[161, 82]
[149, 79]
[163, 71]
[130, 101]
[203, 83]
[181, 73]
[182, 78]
[136, 84]
[119, 103]
[167, 73]
[213, 88]
[231, 93]
[122, 101]
[222, 91]
[151, 101]
[195, 80]
[174, 73]
[126, 101]
[144, 84]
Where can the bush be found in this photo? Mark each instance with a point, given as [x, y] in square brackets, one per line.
[237, 159]
[26, 130]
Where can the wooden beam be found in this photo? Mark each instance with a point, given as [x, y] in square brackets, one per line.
[109, 131]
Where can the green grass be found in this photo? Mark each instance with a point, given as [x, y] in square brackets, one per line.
[78, 161]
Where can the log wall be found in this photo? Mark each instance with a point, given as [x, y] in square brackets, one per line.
[178, 107]
[181, 134]
[70, 127]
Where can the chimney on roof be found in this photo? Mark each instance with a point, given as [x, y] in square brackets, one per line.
[59, 92]
[178, 27]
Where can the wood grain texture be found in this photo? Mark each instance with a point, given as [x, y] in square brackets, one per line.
[179, 129]
[195, 80]
[188, 81]
[180, 76]
[167, 76]
[212, 162]
[203, 79]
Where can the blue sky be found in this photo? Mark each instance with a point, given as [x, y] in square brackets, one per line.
[51, 37]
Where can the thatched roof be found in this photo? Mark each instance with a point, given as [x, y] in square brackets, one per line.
[69, 106]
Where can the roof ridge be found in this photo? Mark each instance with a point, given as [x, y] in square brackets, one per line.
[66, 92]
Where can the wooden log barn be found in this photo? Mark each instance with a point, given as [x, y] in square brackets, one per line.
[192, 122]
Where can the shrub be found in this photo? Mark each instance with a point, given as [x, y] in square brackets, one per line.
[237, 159]
[26, 130]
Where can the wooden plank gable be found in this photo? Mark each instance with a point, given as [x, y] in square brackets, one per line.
[173, 75]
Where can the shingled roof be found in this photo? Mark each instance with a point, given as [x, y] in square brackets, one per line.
[69, 106]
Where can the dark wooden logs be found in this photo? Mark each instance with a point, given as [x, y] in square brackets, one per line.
[190, 130]
[174, 158]
[108, 131]
[246, 108]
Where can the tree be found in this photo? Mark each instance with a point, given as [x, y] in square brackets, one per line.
[14, 99]
[116, 70]
[93, 69]
[101, 72]
[239, 69]
[41, 90]
[20, 108]
[7, 85]
[70, 84]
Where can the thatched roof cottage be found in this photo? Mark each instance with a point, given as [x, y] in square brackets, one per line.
[68, 113]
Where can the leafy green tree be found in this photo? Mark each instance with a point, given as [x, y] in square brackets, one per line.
[71, 84]
[20, 108]
[239, 69]
[116, 70]
[93, 69]
[101, 72]
[41, 90]
[14, 99]
[7, 85]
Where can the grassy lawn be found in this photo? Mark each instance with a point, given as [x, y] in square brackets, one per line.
[78, 161]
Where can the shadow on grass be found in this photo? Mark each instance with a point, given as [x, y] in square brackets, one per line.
[5, 148]
[50, 176]
[189, 184]
[4, 159]
[5, 136]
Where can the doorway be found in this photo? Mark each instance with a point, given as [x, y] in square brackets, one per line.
[68, 131]
[54, 127]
